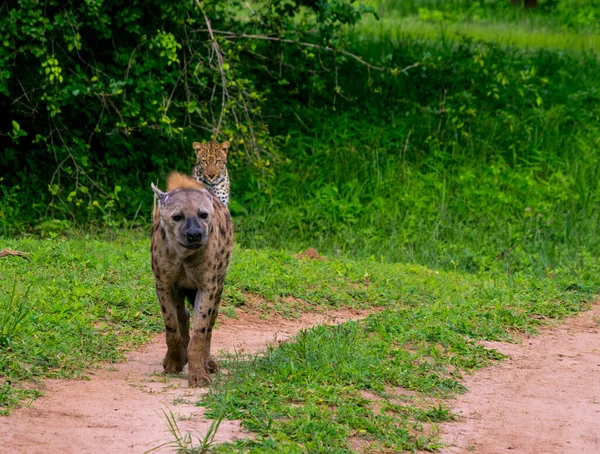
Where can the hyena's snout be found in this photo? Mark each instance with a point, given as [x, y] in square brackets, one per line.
[194, 234]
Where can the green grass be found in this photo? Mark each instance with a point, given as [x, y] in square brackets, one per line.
[306, 396]
[84, 300]
[574, 16]
[481, 157]
[81, 301]
[452, 212]
[521, 35]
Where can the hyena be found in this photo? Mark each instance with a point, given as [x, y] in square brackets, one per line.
[192, 241]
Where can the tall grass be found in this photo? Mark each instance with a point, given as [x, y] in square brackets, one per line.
[522, 34]
[575, 15]
[480, 157]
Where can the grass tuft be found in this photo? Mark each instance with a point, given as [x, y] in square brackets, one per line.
[184, 443]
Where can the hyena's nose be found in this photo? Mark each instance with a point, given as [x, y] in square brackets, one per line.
[194, 235]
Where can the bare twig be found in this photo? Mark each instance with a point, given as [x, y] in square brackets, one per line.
[173, 91]
[249, 7]
[405, 150]
[231, 35]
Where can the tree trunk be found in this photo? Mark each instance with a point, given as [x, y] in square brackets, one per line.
[530, 3]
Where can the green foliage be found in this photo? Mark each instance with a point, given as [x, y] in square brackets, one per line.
[104, 97]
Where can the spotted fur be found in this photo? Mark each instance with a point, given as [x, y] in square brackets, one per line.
[192, 241]
[211, 168]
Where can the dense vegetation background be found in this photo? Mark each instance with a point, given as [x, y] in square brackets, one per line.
[402, 122]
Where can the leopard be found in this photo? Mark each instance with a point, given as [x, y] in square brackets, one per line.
[191, 247]
[211, 168]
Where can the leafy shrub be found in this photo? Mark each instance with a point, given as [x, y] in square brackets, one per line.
[102, 97]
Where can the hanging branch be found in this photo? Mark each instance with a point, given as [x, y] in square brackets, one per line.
[217, 51]
[231, 35]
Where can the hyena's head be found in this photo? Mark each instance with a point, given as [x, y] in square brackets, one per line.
[185, 215]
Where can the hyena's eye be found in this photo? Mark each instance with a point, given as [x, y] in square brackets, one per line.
[177, 217]
[202, 214]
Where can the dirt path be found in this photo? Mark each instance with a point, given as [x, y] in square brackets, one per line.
[120, 408]
[545, 399]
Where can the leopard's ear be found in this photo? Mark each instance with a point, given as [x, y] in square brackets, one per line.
[197, 146]
[225, 147]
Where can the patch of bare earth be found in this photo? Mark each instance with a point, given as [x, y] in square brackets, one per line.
[311, 254]
[545, 399]
[120, 408]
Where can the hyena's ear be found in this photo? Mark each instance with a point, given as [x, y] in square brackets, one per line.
[225, 147]
[197, 146]
[161, 196]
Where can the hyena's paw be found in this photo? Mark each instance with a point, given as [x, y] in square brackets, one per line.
[198, 379]
[211, 365]
[173, 365]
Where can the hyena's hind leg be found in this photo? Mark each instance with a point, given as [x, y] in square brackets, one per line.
[170, 303]
[199, 349]
[183, 315]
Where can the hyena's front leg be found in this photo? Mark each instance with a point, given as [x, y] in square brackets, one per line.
[200, 361]
[175, 358]
[212, 312]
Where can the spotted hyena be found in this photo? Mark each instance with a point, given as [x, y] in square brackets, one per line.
[192, 240]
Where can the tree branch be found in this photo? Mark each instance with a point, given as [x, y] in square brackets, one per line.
[231, 35]
[217, 51]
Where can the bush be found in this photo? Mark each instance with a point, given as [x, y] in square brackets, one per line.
[100, 98]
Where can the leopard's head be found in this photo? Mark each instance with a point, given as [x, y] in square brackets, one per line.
[211, 161]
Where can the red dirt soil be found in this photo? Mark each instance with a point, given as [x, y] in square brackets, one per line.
[545, 399]
[120, 408]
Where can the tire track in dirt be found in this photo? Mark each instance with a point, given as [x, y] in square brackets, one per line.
[544, 399]
[120, 408]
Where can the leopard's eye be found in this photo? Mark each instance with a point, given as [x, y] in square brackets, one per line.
[177, 217]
